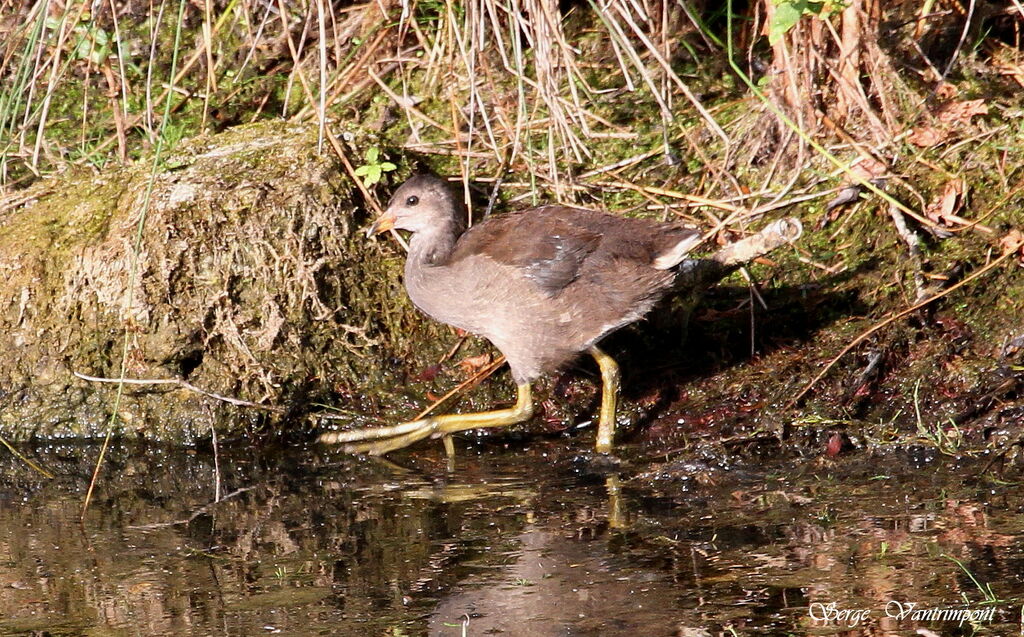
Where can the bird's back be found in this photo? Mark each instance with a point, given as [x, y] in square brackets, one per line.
[546, 284]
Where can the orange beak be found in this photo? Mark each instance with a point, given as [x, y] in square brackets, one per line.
[384, 222]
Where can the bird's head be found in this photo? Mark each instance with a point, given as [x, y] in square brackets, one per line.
[422, 202]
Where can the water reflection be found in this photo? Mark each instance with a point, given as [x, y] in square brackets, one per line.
[530, 542]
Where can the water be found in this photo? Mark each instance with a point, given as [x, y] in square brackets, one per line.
[530, 541]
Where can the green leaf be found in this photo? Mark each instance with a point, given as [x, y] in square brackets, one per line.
[372, 175]
[99, 36]
[787, 14]
[387, 166]
[372, 154]
[98, 54]
[362, 171]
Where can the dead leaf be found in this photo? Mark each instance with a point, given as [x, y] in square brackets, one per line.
[1006, 60]
[946, 91]
[428, 374]
[847, 195]
[472, 364]
[926, 136]
[868, 168]
[948, 114]
[961, 112]
[942, 209]
[1014, 72]
[725, 237]
[1012, 241]
[834, 446]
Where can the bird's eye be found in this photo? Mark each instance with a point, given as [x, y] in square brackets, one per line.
[412, 200]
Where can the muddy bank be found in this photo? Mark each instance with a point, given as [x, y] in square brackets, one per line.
[251, 279]
[236, 285]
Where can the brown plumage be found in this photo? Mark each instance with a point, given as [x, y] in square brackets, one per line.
[543, 285]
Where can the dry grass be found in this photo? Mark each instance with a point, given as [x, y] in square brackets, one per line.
[519, 86]
[564, 98]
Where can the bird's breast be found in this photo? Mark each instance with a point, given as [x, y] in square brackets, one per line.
[445, 294]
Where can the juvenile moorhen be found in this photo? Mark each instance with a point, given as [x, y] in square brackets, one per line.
[543, 285]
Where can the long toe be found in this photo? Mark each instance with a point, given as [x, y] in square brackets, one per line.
[371, 433]
[385, 445]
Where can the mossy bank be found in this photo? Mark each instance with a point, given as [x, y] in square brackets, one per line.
[237, 265]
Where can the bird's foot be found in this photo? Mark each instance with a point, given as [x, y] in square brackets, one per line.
[376, 441]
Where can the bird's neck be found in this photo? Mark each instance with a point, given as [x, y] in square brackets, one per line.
[434, 245]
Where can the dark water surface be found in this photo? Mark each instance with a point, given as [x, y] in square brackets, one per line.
[523, 542]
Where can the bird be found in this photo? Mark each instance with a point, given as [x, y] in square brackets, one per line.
[543, 285]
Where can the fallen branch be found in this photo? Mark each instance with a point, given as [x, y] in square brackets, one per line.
[700, 273]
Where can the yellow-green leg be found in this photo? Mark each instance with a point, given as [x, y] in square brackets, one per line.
[617, 518]
[381, 440]
[609, 395]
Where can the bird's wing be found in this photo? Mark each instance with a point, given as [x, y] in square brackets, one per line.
[544, 245]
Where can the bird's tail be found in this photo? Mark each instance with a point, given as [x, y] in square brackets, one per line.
[676, 253]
